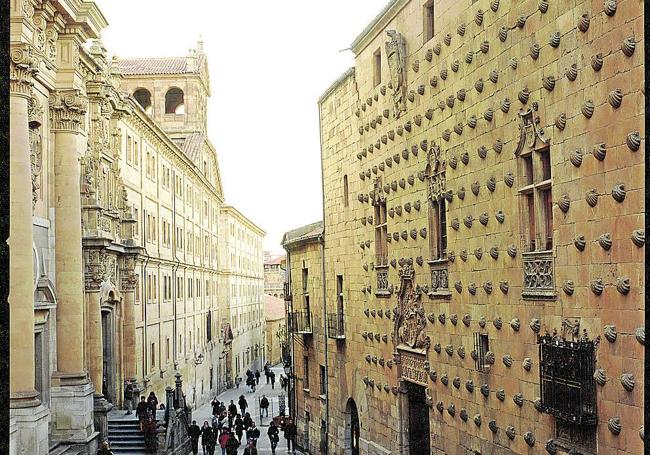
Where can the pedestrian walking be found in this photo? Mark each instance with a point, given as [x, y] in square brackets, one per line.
[253, 432]
[128, 397]
[248, 421]
[194, 432]
[231, 446]
[142, 412]
[223, 440]
[290, 431]
[251, 448]
[237, 381]
[209, 440]
[243, 404]
[104, 449]
[150, 435]
[257, 377]
[239, 427]
[272, 380]
[152, 401]
[215, 406]
[264, 406]
[274, 436]
[204, 440]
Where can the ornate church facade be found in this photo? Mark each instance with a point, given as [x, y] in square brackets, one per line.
[116, 212]
[483, 236]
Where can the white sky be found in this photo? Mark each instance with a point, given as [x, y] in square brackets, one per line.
[269, 62]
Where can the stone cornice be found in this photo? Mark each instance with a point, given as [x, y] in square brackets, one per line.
[379, 23]
[349, 72]
[22, 68]
[67, 110]
[84, 13]
[236, 214]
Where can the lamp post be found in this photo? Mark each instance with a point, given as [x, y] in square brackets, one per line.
[197, 360]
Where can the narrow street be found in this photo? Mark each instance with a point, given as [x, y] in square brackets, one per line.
[204, 412]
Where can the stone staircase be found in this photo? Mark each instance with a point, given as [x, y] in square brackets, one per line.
[125, 437]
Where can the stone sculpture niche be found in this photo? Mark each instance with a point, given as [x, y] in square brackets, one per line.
[396, 56]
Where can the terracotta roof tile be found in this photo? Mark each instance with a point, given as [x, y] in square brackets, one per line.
[163, 65]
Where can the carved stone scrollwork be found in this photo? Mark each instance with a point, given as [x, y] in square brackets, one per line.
[67, 109]
[539, 281]
[410, 320]
[22, 67]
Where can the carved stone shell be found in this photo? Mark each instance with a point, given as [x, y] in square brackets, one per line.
[494, 76]
[564, 203]
[592, 197]
[485, 47]
[605, 241]
[535, 325]
[494, 5]
[442, 318]
[568, 287]
[554, 40]
[446, 135]
[529, 437]
[549, 83]
[463, 415]
[416, 65]
[627, 380]
[444, 379]
[510, 432]
[469, 57]
[597, 286]
[513, 63]
[534, 51]
[634, 141]
[471, 288]
[543, 6]
[610, 7]
[458, 128]
[623, 285]
[468, 222]
[628, 46]
[455, 65]
[610, 333]
[638, 237]
[507, 360]
[639, 333]
[498, 323]
[487, 287]
[615, 98]
[454, 319]
[500, 216]
[478, 85]
[505, 105]
[642, 433]
[492, 424]
[472, 121]
[413, 233]
[451, 409]
[503, 285]
[572, 72]
[599, 377]
[456, 382]
[576, 157]
[515, 324]
[550, 447]
[509, 179]
[447, 39]
[433, 375]
[614, 425]
[489, 358]
[404, 235]
[411, 96]
[488, 115]
[436, 48]
[597, 62]
[494, 252]
[587, 108]
[521, 21]
[485, 390]
[583, 23]
[455, 224]
[618, 192]
[527, 364]
[483, 218]
[398, 211]
[440, 406]
[518, 398]
[512, 251]
[437, 348]
[491, 184]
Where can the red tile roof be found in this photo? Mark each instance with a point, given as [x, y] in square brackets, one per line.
[161, 65]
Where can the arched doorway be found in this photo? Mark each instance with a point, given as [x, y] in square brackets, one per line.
[109, 302]
[352, 428]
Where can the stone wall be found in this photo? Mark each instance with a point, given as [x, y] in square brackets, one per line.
[462, 97]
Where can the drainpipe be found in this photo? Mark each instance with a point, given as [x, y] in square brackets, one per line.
[322, 249]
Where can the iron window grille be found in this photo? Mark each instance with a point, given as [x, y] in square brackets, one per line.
[568, 389]
[481, 346]
[335, 326]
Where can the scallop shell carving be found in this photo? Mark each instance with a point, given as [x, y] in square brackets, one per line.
[461, 29]
[472, 121]
[576, 157]
[468, 222]
[492, 424]
[560, 121]
[564, 203]
[639, 334]
[572, 72]
[494, 76]
[416, 66]
[429, 55]
[527, 364]
[491, 184]
[628, 46]
[513, 63]
[489, 358]
[597, 286]
[600, 377]
[554, 40]
[592, 197]
[478, 17]
[634, 141]
[610, 333]
[568, 287]
[494, 5]
[444, 379]
[437, 348]
[521, 21]
[485, 47]
[605, 241]
[494, 252]
[610, 7]
[638, 237]
[627, 380]
[535, 325]
[505, 105]
[451, 409]
[454, 320]
[597, 62]
[500, 216]
[588, 108]
[549, 83]
[642, 433]
[498, 323]
[461, 352]
[512, 251]
[455, 224]
[442, 318]
[449, 349]
[483, 218]
[447, 39]
[515, 324]
[440, 406]
[524, 95]
[543, 6]
[507, 360]
[482, 152]
[498, 146]
[583, 23]
[478, 85]
[463, 415]
[503, 285]
[614, 425]
[518, 398]
[436, 48]
[433, 375]
[446, 135]
[487, 287]
[509, 179]
[550, 447]
[503, 34]
[615, 98]
[623, 285]
[537, 404]
[469, 57]
[471, 288]
[501, 394]
[453, 162]
[458, 129]
[529, 437]
[510, 432]
[618, 192]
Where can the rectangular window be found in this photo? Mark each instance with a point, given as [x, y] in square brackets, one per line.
[167, 349]
[377, 67]
[136, 217]
[537, 206]
[381, 234]
[136, 154]
[153, 355]
[428, 21]
[129, 150]
[137, 288]
[305, 379]
[323, 380]
[437, 229]
[481, 347]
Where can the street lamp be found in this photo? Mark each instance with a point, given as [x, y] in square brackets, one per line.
[197, 360]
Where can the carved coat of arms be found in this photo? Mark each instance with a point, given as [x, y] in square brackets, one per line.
[410, 319]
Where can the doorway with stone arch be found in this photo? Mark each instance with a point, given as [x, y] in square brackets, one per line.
[352, 428]
[110, 299]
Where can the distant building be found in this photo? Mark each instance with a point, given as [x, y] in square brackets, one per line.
[275, 328]
[274, 275]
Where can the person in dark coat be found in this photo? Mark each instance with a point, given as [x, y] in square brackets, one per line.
[272, 380]
[251, 448]
[274, 436]
[248, 421]
[194, 432]
[257, 377]
[209, 439]
[128, 397]
[253, 432]
[239, 427]
[142, 412]
[290, 431]
[264, 406]
[204, 429]
[215, 406]
[266, 372]
[243, 404]
[151, 435]
[152, 401]
[232, 445]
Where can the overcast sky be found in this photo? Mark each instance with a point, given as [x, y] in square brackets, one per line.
[269, 62]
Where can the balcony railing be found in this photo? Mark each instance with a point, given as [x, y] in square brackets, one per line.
[335, 326]
[300, 322]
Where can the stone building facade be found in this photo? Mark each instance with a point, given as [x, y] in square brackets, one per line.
[116, 229]
[276, 326]
[242, 283]
[274, 275]
[484, 208]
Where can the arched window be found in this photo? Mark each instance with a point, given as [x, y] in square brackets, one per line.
[143, 97]
[174, 101]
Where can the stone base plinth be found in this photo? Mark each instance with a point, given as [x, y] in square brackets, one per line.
[100, 416]
[28, 430]
[72, 414]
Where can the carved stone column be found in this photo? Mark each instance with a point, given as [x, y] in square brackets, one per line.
[72, 392]
[28, 416]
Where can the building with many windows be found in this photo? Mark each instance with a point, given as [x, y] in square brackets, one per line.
[274, 275]
[483, 236]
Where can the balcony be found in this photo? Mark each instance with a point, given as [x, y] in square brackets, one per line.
[300, 322]
[568, 389]
[335, 326]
